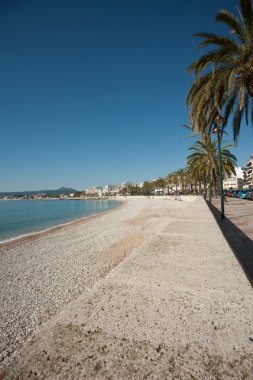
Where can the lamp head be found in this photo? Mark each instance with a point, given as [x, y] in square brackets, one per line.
[219, 119]
[216, 129]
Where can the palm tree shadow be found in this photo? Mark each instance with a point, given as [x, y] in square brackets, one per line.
[241, 244]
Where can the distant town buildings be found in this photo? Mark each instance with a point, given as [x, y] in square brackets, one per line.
[111, 190]
[94, 191]
[243, 178]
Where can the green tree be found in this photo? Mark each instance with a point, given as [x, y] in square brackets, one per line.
[175, 178]
[160, 183]
[224, 75]
[203, 154]
[147, 188]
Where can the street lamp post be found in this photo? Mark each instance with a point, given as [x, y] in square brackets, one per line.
[219, 120]
[209, 181]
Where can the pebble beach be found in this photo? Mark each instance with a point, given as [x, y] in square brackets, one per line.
[42, 273]
[150, 289]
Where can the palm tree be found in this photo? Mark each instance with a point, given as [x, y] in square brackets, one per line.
[174, 179]
[181, 176]
[169, 180]
[160, 183]
[224, 75]
[147, 187]
[203, 154]
[193, 171]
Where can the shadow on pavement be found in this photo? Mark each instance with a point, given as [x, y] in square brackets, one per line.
[241, 244]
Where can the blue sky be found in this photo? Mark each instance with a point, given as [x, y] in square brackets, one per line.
[93, 92]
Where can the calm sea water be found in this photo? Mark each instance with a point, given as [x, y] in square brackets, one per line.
[19, 217]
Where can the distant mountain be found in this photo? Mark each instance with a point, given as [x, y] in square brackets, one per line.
[65, 190]
[61, 190]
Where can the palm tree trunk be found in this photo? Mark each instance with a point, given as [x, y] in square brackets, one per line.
[195, 186]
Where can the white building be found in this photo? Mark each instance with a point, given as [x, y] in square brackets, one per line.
[235, 181]
[248, 173]
[123, 185]
[115, 189]
[107, 189]
[111, 189]
[94, 190]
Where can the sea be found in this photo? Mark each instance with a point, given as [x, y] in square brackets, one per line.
[22, 217]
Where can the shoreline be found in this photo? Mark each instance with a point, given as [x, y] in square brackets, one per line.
[42, 273]
[55, 199]
[36, 234]
[151, 290]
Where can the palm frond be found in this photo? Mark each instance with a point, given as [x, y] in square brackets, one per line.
[232, 22]
[213, 57]
[237, 122]
[246, 11]
[246, 107]
[228, 44]
[224, 75]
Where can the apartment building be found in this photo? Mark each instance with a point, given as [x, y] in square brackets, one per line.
[248, 173]
[111, 189]
[235, 181]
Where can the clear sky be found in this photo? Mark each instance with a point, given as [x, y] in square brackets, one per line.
[92, 92]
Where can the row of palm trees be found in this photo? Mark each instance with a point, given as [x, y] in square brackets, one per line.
[202, 171]
[192, 179]
[222, 90]
[202, 168]
[203, 163]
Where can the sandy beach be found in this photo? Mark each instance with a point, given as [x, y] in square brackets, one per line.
[148, 290]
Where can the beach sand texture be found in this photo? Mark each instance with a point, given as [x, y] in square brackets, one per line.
[150, 290]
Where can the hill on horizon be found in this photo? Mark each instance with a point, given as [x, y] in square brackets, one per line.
[61, 190]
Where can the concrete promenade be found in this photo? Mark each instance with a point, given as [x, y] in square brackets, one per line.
[179, 307]
[237, 228]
